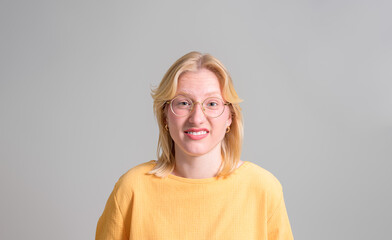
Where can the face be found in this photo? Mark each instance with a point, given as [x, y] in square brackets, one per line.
[198, 134]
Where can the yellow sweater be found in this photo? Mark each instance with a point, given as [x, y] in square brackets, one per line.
[246, 205]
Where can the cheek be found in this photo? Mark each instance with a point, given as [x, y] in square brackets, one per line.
[174, 123]
[221, 125]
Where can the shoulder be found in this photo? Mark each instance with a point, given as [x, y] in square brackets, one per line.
[134, 177]
[262, 180]
[261, 175]
[138, 171]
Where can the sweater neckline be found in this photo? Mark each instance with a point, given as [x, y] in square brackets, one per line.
[205, 180]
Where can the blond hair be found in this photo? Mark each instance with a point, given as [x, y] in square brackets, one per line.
[232, 142]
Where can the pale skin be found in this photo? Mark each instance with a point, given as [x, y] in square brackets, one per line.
[200, 158]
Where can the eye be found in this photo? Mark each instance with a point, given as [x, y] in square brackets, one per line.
[182, 102]
[213, 103]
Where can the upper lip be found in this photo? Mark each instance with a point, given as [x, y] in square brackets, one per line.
[196, 130]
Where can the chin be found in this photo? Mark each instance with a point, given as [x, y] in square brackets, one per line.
[198, 149]
[195, 152]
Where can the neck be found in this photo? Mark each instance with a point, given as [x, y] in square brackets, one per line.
[198, 167]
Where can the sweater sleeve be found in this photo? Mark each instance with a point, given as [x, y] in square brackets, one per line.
[111, 223]
[278, 224]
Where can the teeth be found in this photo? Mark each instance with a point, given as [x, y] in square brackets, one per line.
[197, 133]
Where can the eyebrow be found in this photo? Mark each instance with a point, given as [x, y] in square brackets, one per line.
[209, 94]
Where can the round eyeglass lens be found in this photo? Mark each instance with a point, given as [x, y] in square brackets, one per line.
[213, 107]
[181, 106]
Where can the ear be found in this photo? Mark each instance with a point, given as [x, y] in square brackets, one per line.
[228, 121]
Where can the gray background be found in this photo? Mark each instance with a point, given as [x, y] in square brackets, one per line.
[76, 111]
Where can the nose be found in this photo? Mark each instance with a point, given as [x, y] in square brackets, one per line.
[197, 115]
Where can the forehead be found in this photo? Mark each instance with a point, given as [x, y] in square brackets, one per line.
[199, 83]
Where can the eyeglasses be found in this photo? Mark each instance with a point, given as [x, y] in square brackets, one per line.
[212, 107]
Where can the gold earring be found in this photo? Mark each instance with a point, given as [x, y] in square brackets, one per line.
[228, 129]
[166, 127]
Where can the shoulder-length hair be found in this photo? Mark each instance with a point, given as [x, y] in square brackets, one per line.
[232, 142]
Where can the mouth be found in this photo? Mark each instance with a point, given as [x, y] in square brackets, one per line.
[196, 133]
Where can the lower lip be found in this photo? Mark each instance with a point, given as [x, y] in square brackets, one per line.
[196, 137]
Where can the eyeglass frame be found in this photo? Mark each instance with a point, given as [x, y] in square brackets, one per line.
[193, 105]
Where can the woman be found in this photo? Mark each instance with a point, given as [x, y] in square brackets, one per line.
[198, 188]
